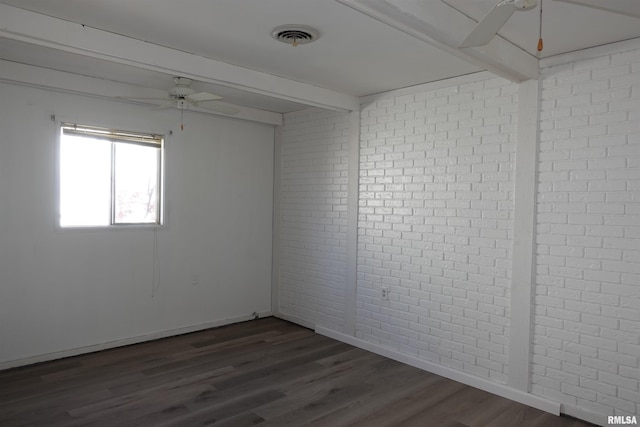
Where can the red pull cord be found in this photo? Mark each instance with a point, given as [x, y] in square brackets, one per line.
[540, 44]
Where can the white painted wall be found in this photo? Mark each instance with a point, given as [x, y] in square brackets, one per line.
[66, 289]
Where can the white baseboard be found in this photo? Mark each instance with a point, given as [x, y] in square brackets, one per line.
[583, 414]
[471, 380]
[126, 341]
[294, 319]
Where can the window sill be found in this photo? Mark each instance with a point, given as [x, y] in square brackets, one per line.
[109, 228]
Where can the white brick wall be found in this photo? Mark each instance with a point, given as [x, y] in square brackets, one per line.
[313, 216]
[435, 224]
[587, 316]
[435, 228]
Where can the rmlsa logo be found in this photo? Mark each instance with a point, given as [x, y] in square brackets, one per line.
[622, 419]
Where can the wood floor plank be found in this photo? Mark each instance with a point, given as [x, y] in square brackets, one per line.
[311, 388]
[248, 418]
[400, 410]
[209, 415]
[388, 391]
[263, 372]
[271, 365]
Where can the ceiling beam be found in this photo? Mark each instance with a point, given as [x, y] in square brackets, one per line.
[28, 75]
[444, 27]
[41, 30]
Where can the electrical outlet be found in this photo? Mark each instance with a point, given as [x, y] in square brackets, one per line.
[195, 279]
[385, 294]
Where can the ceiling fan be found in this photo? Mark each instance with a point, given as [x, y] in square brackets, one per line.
[502, 11]
[182, 96]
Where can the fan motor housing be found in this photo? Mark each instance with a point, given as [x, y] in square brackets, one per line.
[182, 104]
[525, 4]
[180, 92]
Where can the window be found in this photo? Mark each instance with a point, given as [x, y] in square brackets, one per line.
[109, 177]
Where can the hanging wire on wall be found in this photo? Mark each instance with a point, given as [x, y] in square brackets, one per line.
[155, 279]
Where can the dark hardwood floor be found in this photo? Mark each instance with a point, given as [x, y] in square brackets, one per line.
[265, 372]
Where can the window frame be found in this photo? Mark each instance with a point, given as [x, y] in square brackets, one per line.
[150, 139]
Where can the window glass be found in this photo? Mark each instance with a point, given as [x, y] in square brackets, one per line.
[109, 177]
[136, 184]
[85, 181]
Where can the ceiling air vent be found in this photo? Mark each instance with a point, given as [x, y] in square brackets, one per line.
[295, 34]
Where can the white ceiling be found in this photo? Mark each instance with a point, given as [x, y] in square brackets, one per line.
[25, 53]
[356, 54]
[565, 27]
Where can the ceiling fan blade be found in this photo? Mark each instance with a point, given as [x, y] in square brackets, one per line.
[203, 96]
[225, 109]
[489, 25]
[162, 107]
[142, 99]
[623, 7]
